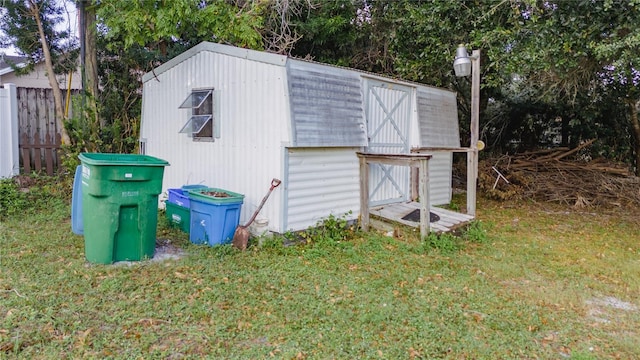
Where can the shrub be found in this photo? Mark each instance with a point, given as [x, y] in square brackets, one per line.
[12, 200]
[475, 232]
[444, 242]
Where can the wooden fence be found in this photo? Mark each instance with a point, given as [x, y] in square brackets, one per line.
[33, 150]
[39, 133]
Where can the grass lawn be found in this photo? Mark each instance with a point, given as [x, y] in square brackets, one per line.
[537, 282]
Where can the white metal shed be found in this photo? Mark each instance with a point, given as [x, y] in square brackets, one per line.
[233, 118]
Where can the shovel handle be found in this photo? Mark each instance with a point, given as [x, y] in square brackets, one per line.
[274, 184]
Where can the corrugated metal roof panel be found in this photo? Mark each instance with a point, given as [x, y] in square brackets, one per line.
[438, 118]
[326, 106]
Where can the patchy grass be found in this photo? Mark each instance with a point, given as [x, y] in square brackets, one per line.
[526, 281]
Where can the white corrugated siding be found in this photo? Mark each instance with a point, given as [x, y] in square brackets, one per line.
[440, 178]
[255, 128]
[254, 122]
[321, 182]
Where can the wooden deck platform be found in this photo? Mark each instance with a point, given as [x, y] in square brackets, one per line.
[449, 220]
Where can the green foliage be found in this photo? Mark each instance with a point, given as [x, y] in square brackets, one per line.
[19, 29]
[157, 24]
[475, 232]
[328, 33]
[445, 243]
[30, 193]
[119, 106]
[330, 231]
[12, 200]
[448, 243]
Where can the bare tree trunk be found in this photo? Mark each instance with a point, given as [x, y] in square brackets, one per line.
[48, 62]
[634, 109]
[91, 63]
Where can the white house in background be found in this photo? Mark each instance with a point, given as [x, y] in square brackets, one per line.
[234, 119]
[36, 78]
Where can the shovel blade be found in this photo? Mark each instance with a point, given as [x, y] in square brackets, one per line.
[240, 238]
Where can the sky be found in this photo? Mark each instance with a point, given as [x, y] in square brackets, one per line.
[71, 23]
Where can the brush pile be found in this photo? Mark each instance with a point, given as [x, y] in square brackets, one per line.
[561, 176]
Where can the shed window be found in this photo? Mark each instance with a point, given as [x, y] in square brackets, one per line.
[200, 124]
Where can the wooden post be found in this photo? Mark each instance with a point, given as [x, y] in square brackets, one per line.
[472, 156]
[412, 160]
[425, 202]
[26, 149]
[48, 154]
[364, 193]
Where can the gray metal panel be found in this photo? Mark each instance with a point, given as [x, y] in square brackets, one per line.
[440, 178]
[438, 118]
[320, 182]
[438, 126]
[326, 106]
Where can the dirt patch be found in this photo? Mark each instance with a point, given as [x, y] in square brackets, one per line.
[219, 194]
[165, 250]
[608, 309]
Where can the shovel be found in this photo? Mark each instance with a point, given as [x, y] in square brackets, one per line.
[241, 236]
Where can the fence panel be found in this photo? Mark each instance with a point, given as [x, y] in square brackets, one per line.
[39, 133]
[33, 150]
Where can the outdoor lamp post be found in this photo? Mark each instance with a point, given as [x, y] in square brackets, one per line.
[465, 65]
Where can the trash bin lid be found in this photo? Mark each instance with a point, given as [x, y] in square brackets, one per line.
[121, 159]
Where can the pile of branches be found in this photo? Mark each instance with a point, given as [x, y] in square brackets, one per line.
[559, 176]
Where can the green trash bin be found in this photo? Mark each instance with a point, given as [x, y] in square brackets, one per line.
[120, 205]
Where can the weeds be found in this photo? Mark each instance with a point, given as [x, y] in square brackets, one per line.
[475, 232]
[444, 242]
[33, 192]
[330, 231]
[12, 200]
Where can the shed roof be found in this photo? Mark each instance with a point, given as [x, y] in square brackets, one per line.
[265, 57]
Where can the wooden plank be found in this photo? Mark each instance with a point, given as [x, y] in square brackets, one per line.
[422, 150]
[449, 220]
[51, 123]
[364, 194]
[26, 160]
[32, 117]
[394, 159]
[472, 176]
[37, 160]
[48, 154]
[56, 152]
[425, 204]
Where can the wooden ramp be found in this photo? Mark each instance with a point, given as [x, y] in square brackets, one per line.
[448, 220]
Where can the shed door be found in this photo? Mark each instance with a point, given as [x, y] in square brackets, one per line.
[388, 111]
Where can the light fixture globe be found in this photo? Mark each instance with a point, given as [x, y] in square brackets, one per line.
[462, 63]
